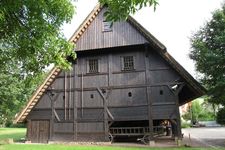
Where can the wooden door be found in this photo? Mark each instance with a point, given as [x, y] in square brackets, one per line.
[39, 131]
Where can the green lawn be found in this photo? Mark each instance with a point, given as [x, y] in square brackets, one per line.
[18, 133]
[74, 147]
[14, 133]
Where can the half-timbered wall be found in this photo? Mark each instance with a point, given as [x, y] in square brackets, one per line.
[78, 108]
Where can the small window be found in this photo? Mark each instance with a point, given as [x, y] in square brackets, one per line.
[161, 92]
[103, 91]
[107, 26]
[92, 95]
[93, 65]
[128, 63]
[129, 94]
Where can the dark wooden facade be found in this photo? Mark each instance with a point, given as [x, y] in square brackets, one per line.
[81, 105]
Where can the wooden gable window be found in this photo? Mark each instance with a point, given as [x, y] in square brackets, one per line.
[93, 65]
[128, 63]
[107, 26]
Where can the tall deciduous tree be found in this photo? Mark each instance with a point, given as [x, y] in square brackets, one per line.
[208, 51]
[15, 88]
[30, 32]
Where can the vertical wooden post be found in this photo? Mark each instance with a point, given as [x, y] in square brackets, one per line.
[109, 69]
[178, 134]
[74, 105]
[178, 121]
[106, 125]
[148, 96]
[52, 118]
[28, 133]
[82, 93]
[70, 94]
[65, 95]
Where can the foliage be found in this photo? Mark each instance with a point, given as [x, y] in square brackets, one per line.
[120, 9]
[30, 33]
[185, 124]
[15, 89]
[199, 112]
[220, 118]
[208, 51]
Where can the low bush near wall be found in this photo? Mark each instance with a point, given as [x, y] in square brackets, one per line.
[220, 118]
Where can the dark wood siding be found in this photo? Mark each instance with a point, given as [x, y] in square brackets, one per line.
[78, 104]
[123, 33]
[38, 131]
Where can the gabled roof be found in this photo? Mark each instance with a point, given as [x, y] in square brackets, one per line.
[158, 46]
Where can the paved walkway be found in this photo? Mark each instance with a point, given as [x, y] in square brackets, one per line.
[205, 137]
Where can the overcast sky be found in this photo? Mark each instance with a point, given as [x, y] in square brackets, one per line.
[173, 23]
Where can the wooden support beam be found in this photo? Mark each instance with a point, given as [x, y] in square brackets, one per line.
[53, 113]
[106, 113]
[65, 96]
[148, 95]
[56, 115]
[109, 113]
[177, 125]
[75, 99]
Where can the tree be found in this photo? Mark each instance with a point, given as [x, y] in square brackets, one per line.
[208, 51]
[30, 32]
[120, 9]
[15, 89]
[199, 111]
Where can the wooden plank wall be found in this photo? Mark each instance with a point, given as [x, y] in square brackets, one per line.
[122, 34]
[87, 113]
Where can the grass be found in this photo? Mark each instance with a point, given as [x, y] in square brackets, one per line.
[13, 133]
[74, 147]
[18, 133]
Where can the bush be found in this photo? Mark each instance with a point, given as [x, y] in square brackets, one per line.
[220, 118]
[185, 124]
[9, 124]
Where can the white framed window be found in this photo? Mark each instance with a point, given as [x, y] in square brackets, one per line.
[93, 66]
[127, 63]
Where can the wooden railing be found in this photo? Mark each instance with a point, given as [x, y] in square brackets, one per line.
[135, 131]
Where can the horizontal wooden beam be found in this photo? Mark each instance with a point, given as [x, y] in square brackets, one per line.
[119, 87]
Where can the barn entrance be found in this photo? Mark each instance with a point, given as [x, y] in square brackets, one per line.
[39, 131]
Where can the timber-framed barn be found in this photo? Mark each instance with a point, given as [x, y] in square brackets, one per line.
[123, 83]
